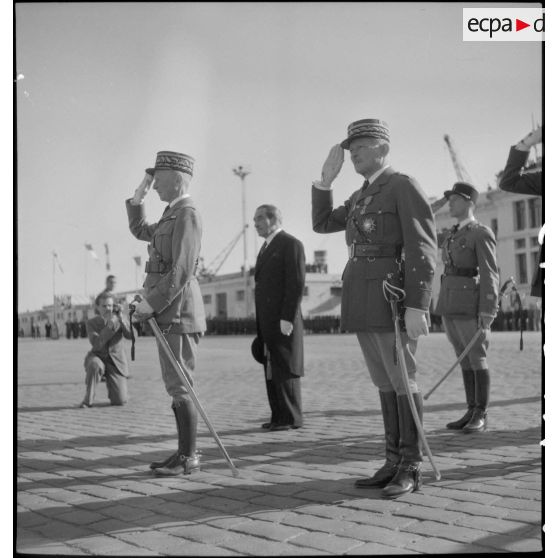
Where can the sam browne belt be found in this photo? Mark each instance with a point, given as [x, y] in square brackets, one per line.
[461, 271]
[357, 250]
[156, 267]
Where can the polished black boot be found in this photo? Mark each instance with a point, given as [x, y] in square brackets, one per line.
[479, 420]
[408, 477]
[186, 460]
[388, 402]
[469, 384]
[165, 462]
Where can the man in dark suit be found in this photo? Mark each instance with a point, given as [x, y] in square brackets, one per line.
[514, 180]
[279, 276]
[106, 357]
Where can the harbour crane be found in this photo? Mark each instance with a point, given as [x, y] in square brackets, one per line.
[212, 269]
[460, 170]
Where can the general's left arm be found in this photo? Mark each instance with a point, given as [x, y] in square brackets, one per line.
[419, 243]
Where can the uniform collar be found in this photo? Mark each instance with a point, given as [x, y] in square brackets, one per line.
[176, 200]
[465, 222]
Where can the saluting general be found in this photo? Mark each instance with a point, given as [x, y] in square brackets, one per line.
[390, 235]
[172, 292]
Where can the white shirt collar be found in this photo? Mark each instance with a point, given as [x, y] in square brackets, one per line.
[377, 173]
[269, 238]
[176, 200]
[465, 222]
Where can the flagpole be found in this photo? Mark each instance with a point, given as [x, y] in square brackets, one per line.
[85, 275]
[53, 290]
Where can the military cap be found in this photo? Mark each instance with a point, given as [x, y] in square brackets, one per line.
[465, 190]
[367, 128]
[257, 349]
[170, 160]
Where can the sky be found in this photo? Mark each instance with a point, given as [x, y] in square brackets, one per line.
[104, 86]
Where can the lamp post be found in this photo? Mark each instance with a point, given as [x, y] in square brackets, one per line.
[242, 172]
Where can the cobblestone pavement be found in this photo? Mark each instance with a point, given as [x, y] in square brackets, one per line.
[84, 486]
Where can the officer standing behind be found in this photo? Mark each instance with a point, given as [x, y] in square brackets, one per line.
[279, 276]
[389, 229]
[469, 300]
[172, 292]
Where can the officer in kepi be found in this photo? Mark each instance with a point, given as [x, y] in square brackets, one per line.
[469, 300]
[172, 293]
[390, 234]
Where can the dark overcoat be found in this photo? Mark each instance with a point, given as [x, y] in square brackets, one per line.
[513, 180]
[391, 214]
[279, 276]
[106, 341]
[171, 287]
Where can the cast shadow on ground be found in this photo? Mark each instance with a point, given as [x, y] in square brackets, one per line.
[331, 451]
[187, 499]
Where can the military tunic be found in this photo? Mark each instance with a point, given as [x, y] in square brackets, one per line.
[390, 233]
[469, 287]
[171, 287]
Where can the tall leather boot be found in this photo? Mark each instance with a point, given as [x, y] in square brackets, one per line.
[165, 462]
[479, 420]
[388, 402]
[186, 460]
[408, 477]
[469, 384]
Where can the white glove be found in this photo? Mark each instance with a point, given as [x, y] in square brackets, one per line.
[332, 165]
[286, 327]
[142, 189]
[415, 323]
[143, 310]
[485, 320]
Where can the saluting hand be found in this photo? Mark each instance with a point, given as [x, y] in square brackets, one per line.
[415, 323]
[142, 189]
[332, 165]
[532, 138]
[438, 204]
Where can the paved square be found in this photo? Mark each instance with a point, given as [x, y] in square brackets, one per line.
[84, 486]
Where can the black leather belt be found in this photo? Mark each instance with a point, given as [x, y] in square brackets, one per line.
[156, 267]
[462, 271]
[374, 251]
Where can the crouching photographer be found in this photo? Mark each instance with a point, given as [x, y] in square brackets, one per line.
[107, 358]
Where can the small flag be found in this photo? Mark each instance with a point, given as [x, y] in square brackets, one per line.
[107, 256]
[89, 247]
[137, 259]
[57, 261]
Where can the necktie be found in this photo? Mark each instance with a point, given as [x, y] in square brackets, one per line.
[262, 249]
[364, 185]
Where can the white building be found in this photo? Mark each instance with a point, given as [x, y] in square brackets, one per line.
[232, 295]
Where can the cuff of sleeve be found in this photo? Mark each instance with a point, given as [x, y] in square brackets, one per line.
[319, 185]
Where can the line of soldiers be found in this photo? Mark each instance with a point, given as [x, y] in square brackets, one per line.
[391, 240]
